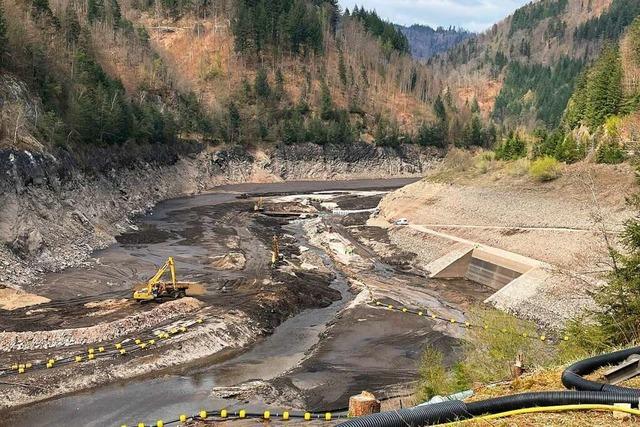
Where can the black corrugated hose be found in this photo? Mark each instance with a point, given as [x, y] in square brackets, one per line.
[588, 392]
[572, 376]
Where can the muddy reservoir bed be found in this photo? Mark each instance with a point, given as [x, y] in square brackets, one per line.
[299, 335]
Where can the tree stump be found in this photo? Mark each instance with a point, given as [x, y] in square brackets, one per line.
[518, 366]
[364, 403]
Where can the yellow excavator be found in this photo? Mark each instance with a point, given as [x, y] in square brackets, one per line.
[155, 289]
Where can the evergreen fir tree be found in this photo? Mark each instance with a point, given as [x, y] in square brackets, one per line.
[475, 107]
[71, 25]
[326, 102]
[279, 88]
[261, 85]
[440, 110]
[342, 69]
[241, 28]
[604, 88]
[3, 38]
[234, 123]
[95, 10]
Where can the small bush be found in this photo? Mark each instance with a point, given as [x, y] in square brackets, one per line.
[519, 168]
[489, 354]
[610, 153]
[511, 149]
[431, 135]
[482, 165]
[434, 377]
[545, 169]
[484, 161]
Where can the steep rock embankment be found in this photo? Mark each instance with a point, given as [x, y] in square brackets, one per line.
[56, 208]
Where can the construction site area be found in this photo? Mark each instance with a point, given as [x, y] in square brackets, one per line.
[287, 298]
[241, 295]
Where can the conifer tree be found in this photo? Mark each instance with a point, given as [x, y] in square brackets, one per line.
[440, 110]
[279, 89]
[326, 102]
[604, 88]
[95, 10]
[3, 38]
[342, 69]
[242, 29]
[234, 123]
[261, 85]
[71, 25]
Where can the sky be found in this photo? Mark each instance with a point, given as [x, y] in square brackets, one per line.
[473, 15]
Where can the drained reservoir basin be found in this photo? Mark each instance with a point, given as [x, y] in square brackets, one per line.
[313, 357]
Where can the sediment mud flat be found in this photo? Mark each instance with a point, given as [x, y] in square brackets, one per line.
[303, 334]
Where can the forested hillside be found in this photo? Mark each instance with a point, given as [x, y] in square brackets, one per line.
[426, 42]
[116, 72]
[78, 74]
[522, 71]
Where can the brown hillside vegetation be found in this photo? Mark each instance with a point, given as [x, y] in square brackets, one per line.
[188, 61]
[468, 69]
[202, 55]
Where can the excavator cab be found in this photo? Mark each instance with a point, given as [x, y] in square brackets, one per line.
[155, 288]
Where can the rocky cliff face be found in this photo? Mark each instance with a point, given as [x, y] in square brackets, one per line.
[426, 42]
[57, 208]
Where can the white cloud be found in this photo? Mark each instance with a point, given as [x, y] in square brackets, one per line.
[475, 15]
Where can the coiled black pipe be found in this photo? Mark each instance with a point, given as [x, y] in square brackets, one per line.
[572, 376]
[456, 410]
[588, 392]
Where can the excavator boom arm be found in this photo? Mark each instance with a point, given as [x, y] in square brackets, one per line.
[154, 287]
[170, 265]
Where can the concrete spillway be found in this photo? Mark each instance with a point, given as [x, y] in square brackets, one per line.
[482, 264]
[521, 284]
